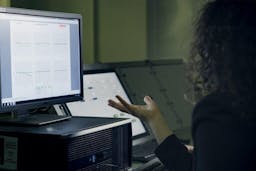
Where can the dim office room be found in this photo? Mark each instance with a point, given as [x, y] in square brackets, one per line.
[137, 87]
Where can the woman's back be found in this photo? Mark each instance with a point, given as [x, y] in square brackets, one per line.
[225, 140]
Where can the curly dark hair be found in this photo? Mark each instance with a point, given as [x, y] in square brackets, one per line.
[223, 53]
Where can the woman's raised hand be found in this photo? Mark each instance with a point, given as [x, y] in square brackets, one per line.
[149, 112]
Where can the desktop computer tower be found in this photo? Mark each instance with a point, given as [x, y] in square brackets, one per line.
[76, 144]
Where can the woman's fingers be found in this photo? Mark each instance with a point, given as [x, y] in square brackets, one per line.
[132, 109]
[143, 111]
[117, 105]
[137, 110]
[124, 103]
[148, 100]
[124, 106]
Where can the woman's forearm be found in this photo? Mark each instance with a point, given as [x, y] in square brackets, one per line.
[160, 128]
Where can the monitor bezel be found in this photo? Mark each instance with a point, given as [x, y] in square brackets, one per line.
[32, 104]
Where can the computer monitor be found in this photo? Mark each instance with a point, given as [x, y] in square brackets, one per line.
[40, 59]
[99, 86]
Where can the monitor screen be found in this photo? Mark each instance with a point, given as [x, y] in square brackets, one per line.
[98, 88]
[40, 54]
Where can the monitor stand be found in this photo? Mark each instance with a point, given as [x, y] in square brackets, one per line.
[23, 117]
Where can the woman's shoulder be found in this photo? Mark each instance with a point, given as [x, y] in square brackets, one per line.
[217, 106]
[219, 109]
[214, 101]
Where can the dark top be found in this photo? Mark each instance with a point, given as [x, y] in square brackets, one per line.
[224, 139]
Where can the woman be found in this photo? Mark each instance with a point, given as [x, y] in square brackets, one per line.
[222, 72]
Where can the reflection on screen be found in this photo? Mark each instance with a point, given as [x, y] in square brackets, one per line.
[98, 88]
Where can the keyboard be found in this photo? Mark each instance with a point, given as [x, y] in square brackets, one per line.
[145, 151]
[153, 165]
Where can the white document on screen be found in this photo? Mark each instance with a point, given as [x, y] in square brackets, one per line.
[98, 88]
